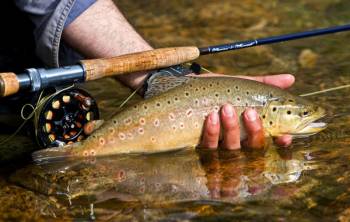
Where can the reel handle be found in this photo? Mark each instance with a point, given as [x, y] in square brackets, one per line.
[9, 84]
[152, 59]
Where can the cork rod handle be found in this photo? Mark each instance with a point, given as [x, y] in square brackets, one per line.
[148, 60]
[9, 84]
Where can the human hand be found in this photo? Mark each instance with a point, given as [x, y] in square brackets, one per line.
[251, 120]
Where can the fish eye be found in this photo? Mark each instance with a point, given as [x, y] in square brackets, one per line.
[305, 113]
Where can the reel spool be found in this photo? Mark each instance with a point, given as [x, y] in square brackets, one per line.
[62, 118]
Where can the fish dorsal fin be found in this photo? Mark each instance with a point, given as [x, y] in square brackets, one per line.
[165, 79]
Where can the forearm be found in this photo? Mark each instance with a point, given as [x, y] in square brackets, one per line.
[102, 31]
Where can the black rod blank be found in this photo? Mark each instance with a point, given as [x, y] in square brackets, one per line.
[273, 39]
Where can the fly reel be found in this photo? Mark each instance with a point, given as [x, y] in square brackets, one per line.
[61, 118]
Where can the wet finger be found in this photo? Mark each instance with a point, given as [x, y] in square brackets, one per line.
[231, 131]
[282, 80]
[211, 131]
[284, 141]
[255, 133]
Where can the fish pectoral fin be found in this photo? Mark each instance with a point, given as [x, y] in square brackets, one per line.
[166, 79]
[55, 154]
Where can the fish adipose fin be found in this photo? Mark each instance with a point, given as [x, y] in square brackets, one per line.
[55, 154]
[166, 79]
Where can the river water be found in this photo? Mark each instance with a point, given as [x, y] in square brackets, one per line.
[307, 182]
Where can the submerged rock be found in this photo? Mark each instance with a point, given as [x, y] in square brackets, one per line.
[308, 59]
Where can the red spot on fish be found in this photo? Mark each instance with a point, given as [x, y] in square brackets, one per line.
[141, 130]
[142, 121]
[111, 130]
[121, 136]
[127, 121]
[102, 141]
[182, 125]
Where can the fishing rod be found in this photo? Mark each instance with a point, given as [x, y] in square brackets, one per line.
[36, 79]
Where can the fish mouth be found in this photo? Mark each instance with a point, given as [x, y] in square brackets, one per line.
[312, 126]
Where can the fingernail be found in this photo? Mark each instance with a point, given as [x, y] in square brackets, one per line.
[214, 118]
[251, 115]
[228, 110]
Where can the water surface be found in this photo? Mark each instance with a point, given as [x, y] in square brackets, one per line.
[306, 182]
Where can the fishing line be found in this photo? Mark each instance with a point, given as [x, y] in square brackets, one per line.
[311, 93]
[129, 97]
[325, 90]
[35, 113]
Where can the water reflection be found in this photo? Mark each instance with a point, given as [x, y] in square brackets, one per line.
[100, 185]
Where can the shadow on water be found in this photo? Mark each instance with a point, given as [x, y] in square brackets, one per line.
[306, 182]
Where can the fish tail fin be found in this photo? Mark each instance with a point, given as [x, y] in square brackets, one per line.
[55, 154]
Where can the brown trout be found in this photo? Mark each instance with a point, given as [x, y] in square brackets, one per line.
[174, 119]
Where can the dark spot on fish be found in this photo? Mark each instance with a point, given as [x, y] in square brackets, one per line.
[264, 103]
[169, 102]
[263, 116]
[247, 93]
[115, 121]
[196, 89]
[237, 87]
[271, 123]
[217, 94]
[217, 83]
[246, 104]
[145, 107]
[289, 112]
[204, 88]
[210, 85]
[238, 99]
[228, 90]
[176, 99]
[290, 100]
[274, 109]
[187, 94]
[191, 85]
[158, 104]
[306, 113]
[271, 95]
[135, 107]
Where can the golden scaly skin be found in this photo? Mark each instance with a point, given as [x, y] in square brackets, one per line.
[174, 119]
